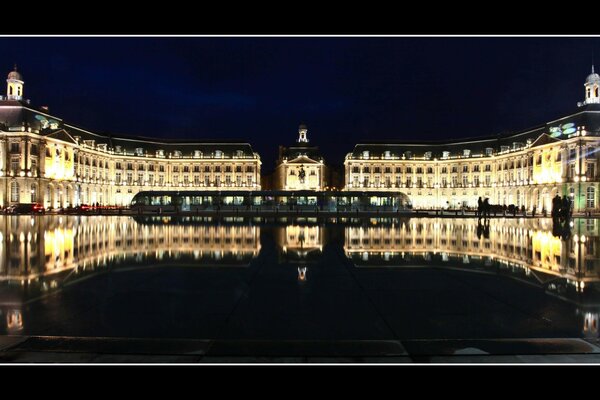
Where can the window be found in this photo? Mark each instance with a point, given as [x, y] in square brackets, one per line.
[161, 180]
[419, 170]
[34, 193]
[444, 181]
[366, 170]
[217, 168]
[186, 168]
[409, 170]
[228, 168]
[249, 168]
[151, 179]
[429, 170]
[388, 170]
[591, 197]
[14, 164]
[487, 168]
[377, 170]
[140, 179]
[175, 168]
[196, 168]
[14, 191]
[465, 168]
[118, 178]
[34, 149]
[454, 169]
[15, 147]
[355, 170]
[444, 170]
[398, 170]
[476, 180]
[161, 168]
[129, 178]
[130, 166]
[590, 170]
[487, 180]
[238, 168]
[465, 180]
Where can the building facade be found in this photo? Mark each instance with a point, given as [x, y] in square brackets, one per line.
[300, 167]
[47, 161]
[527, 168]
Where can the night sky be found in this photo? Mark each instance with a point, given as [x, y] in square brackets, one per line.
[345, 89]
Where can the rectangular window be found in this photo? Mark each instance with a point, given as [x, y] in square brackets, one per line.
[14, 164]
[161, 180]
[444, 181]
[476, 180]
[15, 147]
[151, 179]
[129, 178]
[590, 170]
[465, 180]
[118, 178]
[487, 180]
[140, 179]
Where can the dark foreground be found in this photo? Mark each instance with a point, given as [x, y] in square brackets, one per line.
[117, 289]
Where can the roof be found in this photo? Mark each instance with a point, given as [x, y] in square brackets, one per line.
[587, 116]
[299, 150]
[18, 114]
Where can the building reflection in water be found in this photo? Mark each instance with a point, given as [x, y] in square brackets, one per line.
[564, 260]
[40, 254]
[300, 244]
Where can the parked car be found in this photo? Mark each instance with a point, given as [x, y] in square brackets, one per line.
[26, 208]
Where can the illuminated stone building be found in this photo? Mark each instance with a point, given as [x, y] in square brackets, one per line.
[45, 160]
[300, 167]
[526, 168]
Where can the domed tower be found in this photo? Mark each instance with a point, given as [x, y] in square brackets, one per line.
[14, 90]
[302, 130]
[592, 88]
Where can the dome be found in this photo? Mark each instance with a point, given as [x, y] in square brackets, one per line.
[303, 126]
[15, 75]
[593, 78]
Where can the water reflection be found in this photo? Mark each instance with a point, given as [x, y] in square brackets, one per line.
[40, 255]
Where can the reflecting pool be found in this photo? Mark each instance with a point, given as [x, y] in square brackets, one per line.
[298, 278]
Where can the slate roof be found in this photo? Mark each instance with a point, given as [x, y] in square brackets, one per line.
[588, 116]
[17, 114]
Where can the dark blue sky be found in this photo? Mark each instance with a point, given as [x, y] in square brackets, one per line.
[346, 89]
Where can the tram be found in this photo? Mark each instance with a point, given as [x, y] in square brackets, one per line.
[268, 200]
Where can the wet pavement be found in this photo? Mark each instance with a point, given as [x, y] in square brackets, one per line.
[129, 289]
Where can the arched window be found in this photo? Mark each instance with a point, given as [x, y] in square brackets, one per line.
[591, 197]
[34, 193]
[588, 93]
[10, 90]
[14, 192]
[596, 91]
